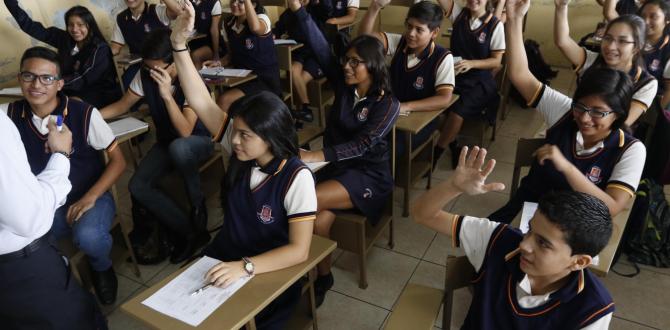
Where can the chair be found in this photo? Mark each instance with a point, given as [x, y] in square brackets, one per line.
[524, 158]
[417, 308]
[459, 274]
[355, 234]
[285, 60]
[320, 96]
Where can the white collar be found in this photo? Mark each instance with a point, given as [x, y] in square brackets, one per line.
[579, 145]
[524, 296]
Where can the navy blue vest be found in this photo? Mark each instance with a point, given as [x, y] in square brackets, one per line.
[134, 32]
[86, 165]
[340, 7]
[637, 74]
[165, 131]
[580, 302]
[418, 82]
[203, 15]
[473, 44]
[597, 167]
[252, 52]
[256, 220]
[656, 60]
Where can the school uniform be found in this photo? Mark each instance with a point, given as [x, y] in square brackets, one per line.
[260, 206]
[657, 57]
[252, 52]
[616, 162]
[89, 73]
[502, 297]
[287, 24]
[205, 11]
[90, 135]
[645, 86]
[418, 76]
[356, 141]
[341, 7]
[170, 152]
[475, 38]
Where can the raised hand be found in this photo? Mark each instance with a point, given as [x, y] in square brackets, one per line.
[183, 25]
[381, 3]
[518, 8]
[469, 176]
[163, 80]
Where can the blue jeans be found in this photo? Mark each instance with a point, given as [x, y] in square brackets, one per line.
[184, 155]
[91, 232]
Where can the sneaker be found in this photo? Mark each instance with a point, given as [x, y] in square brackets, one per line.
[105, 284]
[305, 114]
[322, 284]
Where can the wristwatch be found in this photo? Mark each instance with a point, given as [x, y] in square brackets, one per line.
[248, 266]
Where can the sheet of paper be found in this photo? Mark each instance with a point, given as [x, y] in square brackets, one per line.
[220, 72]
[13, 91]
[175, 299]
[285, 42]
[457, 59]
[127, 125]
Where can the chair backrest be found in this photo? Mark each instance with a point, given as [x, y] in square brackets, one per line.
[524, 158]
[274, 3]
[459, 274]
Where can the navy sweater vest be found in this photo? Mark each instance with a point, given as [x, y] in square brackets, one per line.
[252, 52]
[418, 82]
[656, 60]
[134, 32]
[203, 15]
[473, 44]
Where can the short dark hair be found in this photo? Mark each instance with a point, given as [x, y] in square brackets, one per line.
[371, 50]
[662, 4]
[614, 87]
[426, 12]
[639, 28]
[584, 220]
[43, 53]
[157, 46]
[86, 16]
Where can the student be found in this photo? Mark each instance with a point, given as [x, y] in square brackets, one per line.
[522, 278]
[588, 147]
[89, 211]
[656, 52]
[620, 49]
[356, 135]
[268, 193]
[87, 66]
[422, 72]
[132, 26]
[251, 46]
[304, 66]
[182, 144]
[478, 40]
[615, 8]
[343, 12]
[30, 267]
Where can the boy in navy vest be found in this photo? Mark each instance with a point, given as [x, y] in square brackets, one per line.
[89, 211]
[422, 72]
[182, 144]
[534, 281]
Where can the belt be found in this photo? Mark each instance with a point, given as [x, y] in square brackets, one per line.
[27, 250]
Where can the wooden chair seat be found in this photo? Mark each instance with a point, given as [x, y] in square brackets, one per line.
[417, 308]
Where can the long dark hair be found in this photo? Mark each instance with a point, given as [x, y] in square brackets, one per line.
[663, 6]
[614, 87]
[638, 27]
[86, 16]
[269, 117]
[371, 50]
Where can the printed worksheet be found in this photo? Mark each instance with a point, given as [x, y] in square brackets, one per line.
[176, 299]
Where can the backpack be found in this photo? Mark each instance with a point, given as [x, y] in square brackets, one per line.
[537, 66]
[648, 239]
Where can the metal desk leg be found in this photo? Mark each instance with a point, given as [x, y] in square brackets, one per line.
[407, 160]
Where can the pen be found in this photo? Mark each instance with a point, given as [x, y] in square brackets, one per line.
[59, 123]
[203, 288]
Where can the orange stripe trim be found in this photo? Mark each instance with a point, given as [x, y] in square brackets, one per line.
[454, 225]
[580, 281]
[621, 187]
[112, 146]
[535, 96]
[597, 312]
[644, 105]
[492, 242]
[511, 255]
[301, 219]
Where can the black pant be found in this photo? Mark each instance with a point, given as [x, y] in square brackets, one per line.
[38, 292]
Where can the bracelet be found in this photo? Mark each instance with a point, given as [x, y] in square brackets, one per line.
[62, 153]
[180, 50]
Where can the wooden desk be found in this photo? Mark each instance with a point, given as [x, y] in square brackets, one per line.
[11, 94]
[221, 84]
[241, 308]
[414, 164]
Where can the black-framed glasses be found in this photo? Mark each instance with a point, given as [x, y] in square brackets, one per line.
[593, 113]
[45, 79]
[148, 68]
[353, 62]
[620, 41]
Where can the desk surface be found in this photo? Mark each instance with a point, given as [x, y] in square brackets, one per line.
[230, 82]
[417, 120]
[243, 305]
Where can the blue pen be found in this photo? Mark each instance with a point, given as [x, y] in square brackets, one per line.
[59, 123]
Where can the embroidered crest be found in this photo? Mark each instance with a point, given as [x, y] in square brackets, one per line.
[249, 44]
[265, 215]
[594, 175]
[147, 28]
[418, 84]
[363, 114]
[654, 65]
[367, 193]
[482, 37]
[339, 5]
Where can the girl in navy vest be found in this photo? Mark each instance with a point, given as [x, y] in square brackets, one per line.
[588, 147]
[656, 15]
[87, 66]
[356, 141]
[621, 49]
[251, 46]
[478, 44]
[422, 72]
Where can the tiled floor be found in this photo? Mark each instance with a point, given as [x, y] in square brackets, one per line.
[419, 256]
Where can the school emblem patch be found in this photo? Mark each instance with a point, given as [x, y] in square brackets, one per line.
[249, 44]
[482, 37]
[654, 65]
[368, 193]
[594, 175]
[265, 215]
[339, 5]
[147, 28]
[418, 84]
[363, 114]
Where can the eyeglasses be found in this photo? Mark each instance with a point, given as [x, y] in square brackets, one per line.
[353, 62]
[593, 113]
[148, 68]
[45, 79]
[609, 39]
